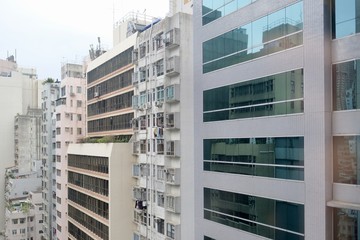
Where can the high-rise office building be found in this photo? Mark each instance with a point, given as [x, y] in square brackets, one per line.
[99, 170]
[276, 130]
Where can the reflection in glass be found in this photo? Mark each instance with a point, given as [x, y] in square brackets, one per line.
[346, 20]
[267, 157]
[261, 216]
[346, 81]
[347, 159]
[214, 9]
[346, 224]
[274, 32]
[272, 95]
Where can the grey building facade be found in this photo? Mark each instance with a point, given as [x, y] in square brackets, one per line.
[277, 140]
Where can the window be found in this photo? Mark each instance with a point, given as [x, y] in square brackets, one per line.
[58, 200]
[244, 212]
[170, 230]
[58, 173]
[78, 89]
[63, 91]
[89, 222]
[78, 103]
[22, 220]
[58, 227]
[58, 144]
[22, 230]
[346, 223]
[58, 131]
[118, 122]
[346, 159]
[58, 117]
[79, 117]
[117, 62]
[281, 157]
[14, 232]
[160, 199]
[272, 33]
[159, 67]
[346, 18]
[256, 98]
[79, 132]
[160, 225]
[214, 9]
[346, 82]
[160, 172]
[15, 221]
[92, 163]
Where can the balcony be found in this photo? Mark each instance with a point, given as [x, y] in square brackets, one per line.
[172, 203]
[172, 93]
[172, 38]
[173, 148]
[173, 176]
[139, 194]
[172, 121]
[172, 66]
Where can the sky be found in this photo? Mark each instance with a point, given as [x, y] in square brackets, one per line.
[47, 33]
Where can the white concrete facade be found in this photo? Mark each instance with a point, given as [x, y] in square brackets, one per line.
[24, 218]
[28, 141]
[17, 93]
[50, 94]
[163, 127]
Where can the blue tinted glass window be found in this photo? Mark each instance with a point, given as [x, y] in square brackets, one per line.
[272, 33]
[346, 17]
[214, 9]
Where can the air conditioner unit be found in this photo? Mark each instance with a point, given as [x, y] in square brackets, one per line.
[158, 103]
[96, 94]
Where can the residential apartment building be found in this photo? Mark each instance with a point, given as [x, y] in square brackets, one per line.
[69, 128]
[276, 109]
[19, 91]
[50, 95]
[28, 141]
[162, 125]
[23, 213]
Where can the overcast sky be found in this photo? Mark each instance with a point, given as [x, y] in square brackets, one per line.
[46, 33]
